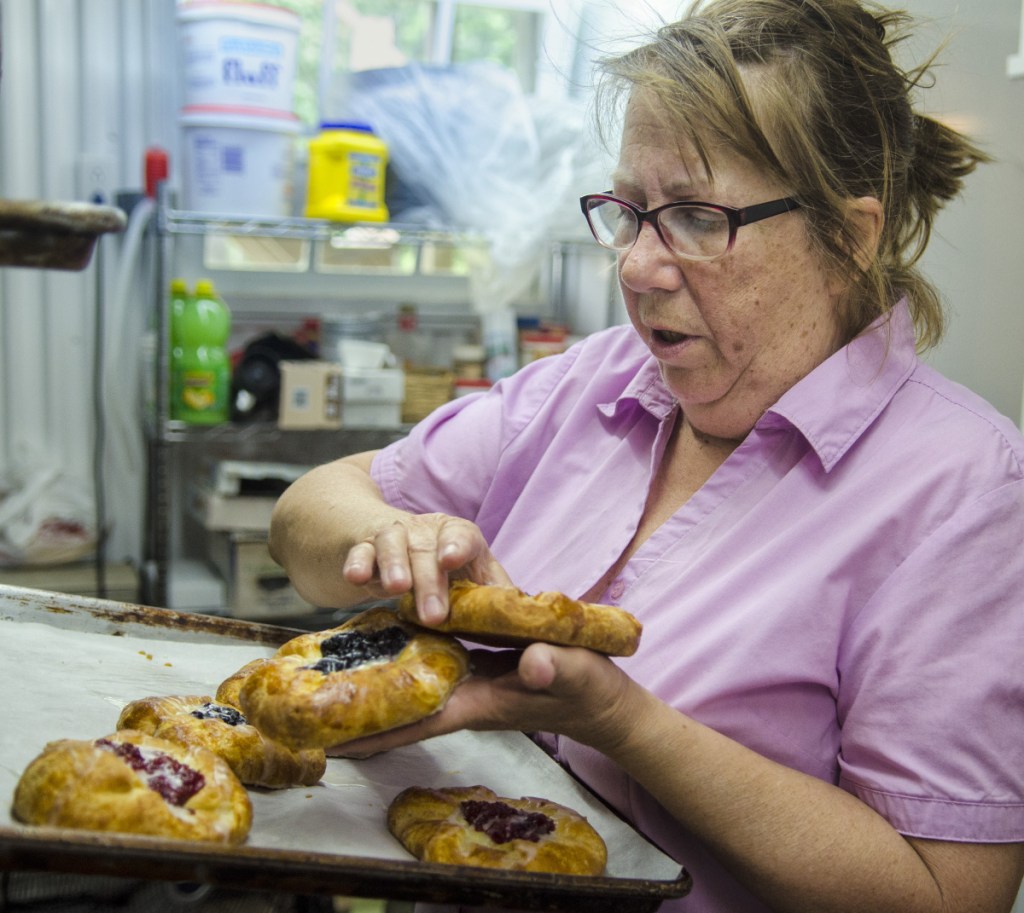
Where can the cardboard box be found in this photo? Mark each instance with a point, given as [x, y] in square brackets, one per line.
[227, 512]
[373, 385]
[372, 415]
[250, 477]
[257, 587]
[240, 495]
[372, 397]
[310, 395]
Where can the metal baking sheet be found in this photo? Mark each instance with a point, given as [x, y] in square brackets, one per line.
[70, 664]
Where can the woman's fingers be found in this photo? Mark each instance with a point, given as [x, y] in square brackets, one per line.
[543, 689]
[394, 545]
[367, 746]
[418, 552]
[429, 579]
[577, 693]
[360, 567]
[538, 668]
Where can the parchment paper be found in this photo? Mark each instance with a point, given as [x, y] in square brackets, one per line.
[67, 683]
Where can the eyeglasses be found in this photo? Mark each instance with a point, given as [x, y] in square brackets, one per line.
[691, 229]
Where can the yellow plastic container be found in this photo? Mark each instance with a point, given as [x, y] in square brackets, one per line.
[347, 167]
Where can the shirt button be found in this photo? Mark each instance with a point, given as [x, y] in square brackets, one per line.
[616, 589]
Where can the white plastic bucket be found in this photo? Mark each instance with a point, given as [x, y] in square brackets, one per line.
[237, 163]
[238, 54]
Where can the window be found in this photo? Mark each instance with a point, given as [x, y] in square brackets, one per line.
[340, 36]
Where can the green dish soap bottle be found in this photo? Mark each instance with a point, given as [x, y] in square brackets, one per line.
[201, 375]
[179, 299]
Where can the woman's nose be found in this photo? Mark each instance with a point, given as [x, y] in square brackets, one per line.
[649, 264]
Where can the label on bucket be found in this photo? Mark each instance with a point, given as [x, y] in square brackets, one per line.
[237, 164]
[230, 60]
[250, 62]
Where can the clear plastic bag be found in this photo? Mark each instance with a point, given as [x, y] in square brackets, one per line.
[45, 518]
[469, 150]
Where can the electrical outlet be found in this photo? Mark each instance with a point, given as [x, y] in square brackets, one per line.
[94, 177]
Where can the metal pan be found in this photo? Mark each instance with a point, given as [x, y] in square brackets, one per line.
[71, 660]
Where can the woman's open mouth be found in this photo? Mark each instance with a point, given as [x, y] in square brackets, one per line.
[668, 337]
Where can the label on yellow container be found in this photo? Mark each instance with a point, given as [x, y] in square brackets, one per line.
[347, 167]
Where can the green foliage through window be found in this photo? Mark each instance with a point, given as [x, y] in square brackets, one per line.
[505, 36]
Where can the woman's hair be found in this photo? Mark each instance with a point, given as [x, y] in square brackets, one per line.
[808, 90]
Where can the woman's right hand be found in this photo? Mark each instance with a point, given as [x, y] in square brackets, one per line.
[420, 552]
[342, 545]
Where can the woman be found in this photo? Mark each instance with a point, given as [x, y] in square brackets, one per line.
[820, 534]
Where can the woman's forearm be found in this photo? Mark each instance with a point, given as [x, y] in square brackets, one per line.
[318, 519]
[797, 842]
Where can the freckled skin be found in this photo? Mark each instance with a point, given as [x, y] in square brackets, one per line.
[757, 320]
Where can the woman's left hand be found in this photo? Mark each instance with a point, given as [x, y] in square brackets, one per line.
[566, 690]
[811, 846]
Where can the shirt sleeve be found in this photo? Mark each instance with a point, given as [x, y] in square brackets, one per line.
[931, 699]
[443, 463]
[452, 461]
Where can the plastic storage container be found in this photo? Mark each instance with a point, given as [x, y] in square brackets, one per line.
[346, 173]
[238, 55]
[237, 163]
[201, 372]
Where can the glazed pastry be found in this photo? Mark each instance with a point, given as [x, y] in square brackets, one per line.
[473, 826]
[229, 690]
[506, 616]
[133, 783]
[371, 674]
[200, 720]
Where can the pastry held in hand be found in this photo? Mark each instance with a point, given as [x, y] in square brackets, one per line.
[373, 673]
[200, 720]
[133, 783]
[506, 616]
[474, 826]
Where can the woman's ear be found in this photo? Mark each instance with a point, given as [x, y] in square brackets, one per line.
[867, 220]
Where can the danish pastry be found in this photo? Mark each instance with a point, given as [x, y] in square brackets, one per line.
[133, 783]
[200, 720]
[506, 616]
[473, 826]
[373, 673]
[228, 690]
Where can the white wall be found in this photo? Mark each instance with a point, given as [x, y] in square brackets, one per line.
[976, 256]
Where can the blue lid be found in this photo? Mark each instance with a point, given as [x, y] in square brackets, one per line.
[346, 125]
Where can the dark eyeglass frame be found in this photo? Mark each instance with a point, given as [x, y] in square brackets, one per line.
[736, 218]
